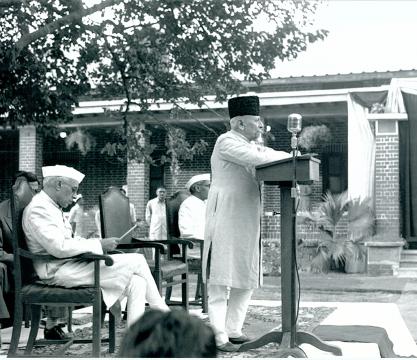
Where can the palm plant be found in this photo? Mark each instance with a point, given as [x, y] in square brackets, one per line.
[334, 243]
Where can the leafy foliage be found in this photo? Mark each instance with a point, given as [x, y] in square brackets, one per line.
[145, 51]
[335, 245]
[314, 136]
[81, 139]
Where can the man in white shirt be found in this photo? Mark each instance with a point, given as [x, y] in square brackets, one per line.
[77, 217]
[48, 232]
[156, 215]
[192, 212]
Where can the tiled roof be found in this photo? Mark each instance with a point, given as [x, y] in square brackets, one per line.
[336, 81]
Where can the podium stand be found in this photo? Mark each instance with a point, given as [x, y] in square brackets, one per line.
[281, 173]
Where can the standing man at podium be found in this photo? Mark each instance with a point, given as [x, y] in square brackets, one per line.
[233, 218]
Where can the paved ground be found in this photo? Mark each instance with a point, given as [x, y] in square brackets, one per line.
[343, 288]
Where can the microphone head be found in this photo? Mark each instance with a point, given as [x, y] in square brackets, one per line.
[294, 123]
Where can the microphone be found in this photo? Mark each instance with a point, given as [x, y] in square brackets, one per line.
[294, 123]
[294, 126]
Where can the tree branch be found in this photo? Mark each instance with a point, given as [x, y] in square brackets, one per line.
[9, 3]
[57, 24]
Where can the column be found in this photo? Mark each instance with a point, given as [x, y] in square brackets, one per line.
[384, 249]
[30, 150]
[138, 180]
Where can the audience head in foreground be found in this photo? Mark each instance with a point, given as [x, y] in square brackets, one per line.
[169, 334]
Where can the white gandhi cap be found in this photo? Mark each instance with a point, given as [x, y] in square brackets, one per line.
[62, 170]
[196, 179]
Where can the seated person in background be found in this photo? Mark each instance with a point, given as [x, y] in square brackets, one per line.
[47, 232]
[192, 212]
[53, 330]
[176, 334]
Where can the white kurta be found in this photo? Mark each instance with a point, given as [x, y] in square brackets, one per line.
[233, 214]
[191, 222]
[156, 218]
[48, 232]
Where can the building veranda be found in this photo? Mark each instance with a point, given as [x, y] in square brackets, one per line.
[366, 155]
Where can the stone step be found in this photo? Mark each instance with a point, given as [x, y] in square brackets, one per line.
[409, 255]
[409, 263]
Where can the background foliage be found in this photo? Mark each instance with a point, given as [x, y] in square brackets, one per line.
[52, 52]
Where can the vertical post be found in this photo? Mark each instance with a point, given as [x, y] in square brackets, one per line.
[288, 297]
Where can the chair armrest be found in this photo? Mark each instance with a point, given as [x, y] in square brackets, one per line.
[140, 244]
[175, 240]
[86, 256]
[195, 241]
[90, 256]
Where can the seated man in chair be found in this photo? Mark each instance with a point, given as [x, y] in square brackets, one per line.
[48, 232]
[53, 330]
[192, 212]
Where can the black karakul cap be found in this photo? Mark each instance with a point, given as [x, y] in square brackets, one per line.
[243, 105]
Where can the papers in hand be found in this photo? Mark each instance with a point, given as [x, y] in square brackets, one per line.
[128, 232]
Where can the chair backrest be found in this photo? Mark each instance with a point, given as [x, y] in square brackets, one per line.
[21, 196]
[172, 206]
[115, 214]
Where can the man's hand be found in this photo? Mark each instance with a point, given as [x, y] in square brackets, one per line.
[109, 244]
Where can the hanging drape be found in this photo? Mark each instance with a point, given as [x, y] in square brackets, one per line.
[361, 156]
[408, 165]
[402, 97]
[395, 103]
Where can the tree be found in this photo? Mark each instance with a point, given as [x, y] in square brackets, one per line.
[141, 50]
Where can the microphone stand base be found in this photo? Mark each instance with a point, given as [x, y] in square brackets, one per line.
[286, 349]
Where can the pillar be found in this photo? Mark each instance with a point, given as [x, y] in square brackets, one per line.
[30, 150]
[384, 249]
[138, 174]
[387, 179]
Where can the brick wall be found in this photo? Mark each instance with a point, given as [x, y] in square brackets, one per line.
[100, 170]
[200, 164]
[30, 150]
[9, 160]
[387, 187]
[271, 194]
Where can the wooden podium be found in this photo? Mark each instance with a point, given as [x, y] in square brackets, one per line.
[281, 173]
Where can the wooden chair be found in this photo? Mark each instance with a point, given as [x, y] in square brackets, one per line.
[168, 271]
[194, 265]
[30, 291]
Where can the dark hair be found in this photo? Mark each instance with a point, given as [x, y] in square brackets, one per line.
[29, 176]
[168, 334]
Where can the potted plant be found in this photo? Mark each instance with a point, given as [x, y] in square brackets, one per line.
[360, 217]
[337, 244]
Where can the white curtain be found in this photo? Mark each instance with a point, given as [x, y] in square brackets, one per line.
[361, 152]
